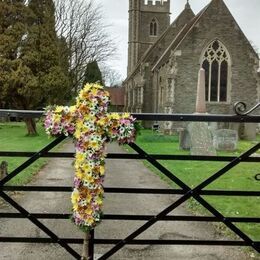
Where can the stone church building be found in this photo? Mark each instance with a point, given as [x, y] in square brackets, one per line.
[164, 59]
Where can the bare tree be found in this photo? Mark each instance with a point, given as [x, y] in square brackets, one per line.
[80, 24]
[111, 76]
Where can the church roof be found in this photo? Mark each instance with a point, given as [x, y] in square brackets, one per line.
[184, 32]
[184, 17]
[117, 95]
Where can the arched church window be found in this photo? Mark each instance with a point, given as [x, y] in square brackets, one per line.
[216, 63]
[153, 27]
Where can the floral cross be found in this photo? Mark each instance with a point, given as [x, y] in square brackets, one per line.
[92, 127]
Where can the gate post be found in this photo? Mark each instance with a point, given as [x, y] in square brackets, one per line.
[3, 169]
[88, 246]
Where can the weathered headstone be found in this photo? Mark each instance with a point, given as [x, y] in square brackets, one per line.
[225, 139]
[201, 139]
[3, 169]
[246, 131]
[155, 126]
[184, 139]
[250, 131]
[213, 126]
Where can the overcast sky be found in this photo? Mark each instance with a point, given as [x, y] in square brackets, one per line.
[246, 13]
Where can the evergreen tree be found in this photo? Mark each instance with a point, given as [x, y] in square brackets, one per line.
[92, 74]
[30, 67]
[42, 54]
[13, 18]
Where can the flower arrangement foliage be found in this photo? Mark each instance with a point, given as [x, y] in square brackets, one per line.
[92, 127]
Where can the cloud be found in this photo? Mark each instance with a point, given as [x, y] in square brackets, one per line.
[246, 13]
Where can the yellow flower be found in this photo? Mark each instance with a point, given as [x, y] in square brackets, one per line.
[114, 116]
[79, 174]
[89, 211]
[86, 167]
[89, 198]
[94, 145]
[57, 118]
[87, 87]
[75, 196]
[79, 124]
[80, 157]
[94, 92]
[98, 86]
[89, 178]
[103, 121]
[73, 109]
[125, 115]
[87, 117]
[90, 221]
[58, 109]
[99, 201]
[75, 206]
[102, 170]
[77, 133]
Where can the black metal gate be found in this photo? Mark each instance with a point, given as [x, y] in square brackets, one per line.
[186, 191]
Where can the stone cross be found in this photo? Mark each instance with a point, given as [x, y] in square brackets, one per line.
[92, 127]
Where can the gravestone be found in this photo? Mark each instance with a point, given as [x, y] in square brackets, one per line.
[201, 139]
[250, 132]
[246, 131]
[184, 139]
[3, 169]
[225, 139]
[213, 126]
[155, 126]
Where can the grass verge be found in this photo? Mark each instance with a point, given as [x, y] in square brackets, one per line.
[13, 138]
[194, 172]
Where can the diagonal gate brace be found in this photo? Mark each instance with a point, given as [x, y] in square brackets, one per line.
[23, 211]
[188, 194]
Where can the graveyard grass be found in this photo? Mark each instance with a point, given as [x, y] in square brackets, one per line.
[13, 138]
[193, 173]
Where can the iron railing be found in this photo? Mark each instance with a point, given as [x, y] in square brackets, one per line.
[186, 191]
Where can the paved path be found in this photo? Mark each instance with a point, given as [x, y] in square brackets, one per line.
[120, 173]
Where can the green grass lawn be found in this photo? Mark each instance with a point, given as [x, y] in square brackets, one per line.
[13, 138]
[194, 172]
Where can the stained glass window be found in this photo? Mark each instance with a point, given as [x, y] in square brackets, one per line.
[215, 63]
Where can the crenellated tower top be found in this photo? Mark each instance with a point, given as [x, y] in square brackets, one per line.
[148, 19]
[155, 5]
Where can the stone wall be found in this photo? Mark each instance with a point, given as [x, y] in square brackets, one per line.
[216, 23]
[183, 62]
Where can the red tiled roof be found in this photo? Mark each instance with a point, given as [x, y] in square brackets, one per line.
[117, 95]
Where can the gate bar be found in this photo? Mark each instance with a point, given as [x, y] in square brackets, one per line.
[43, 240]
[135, 156]
[136, 217]
[133, 190]
[151, 116]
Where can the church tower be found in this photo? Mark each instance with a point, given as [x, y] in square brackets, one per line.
[147, 21]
